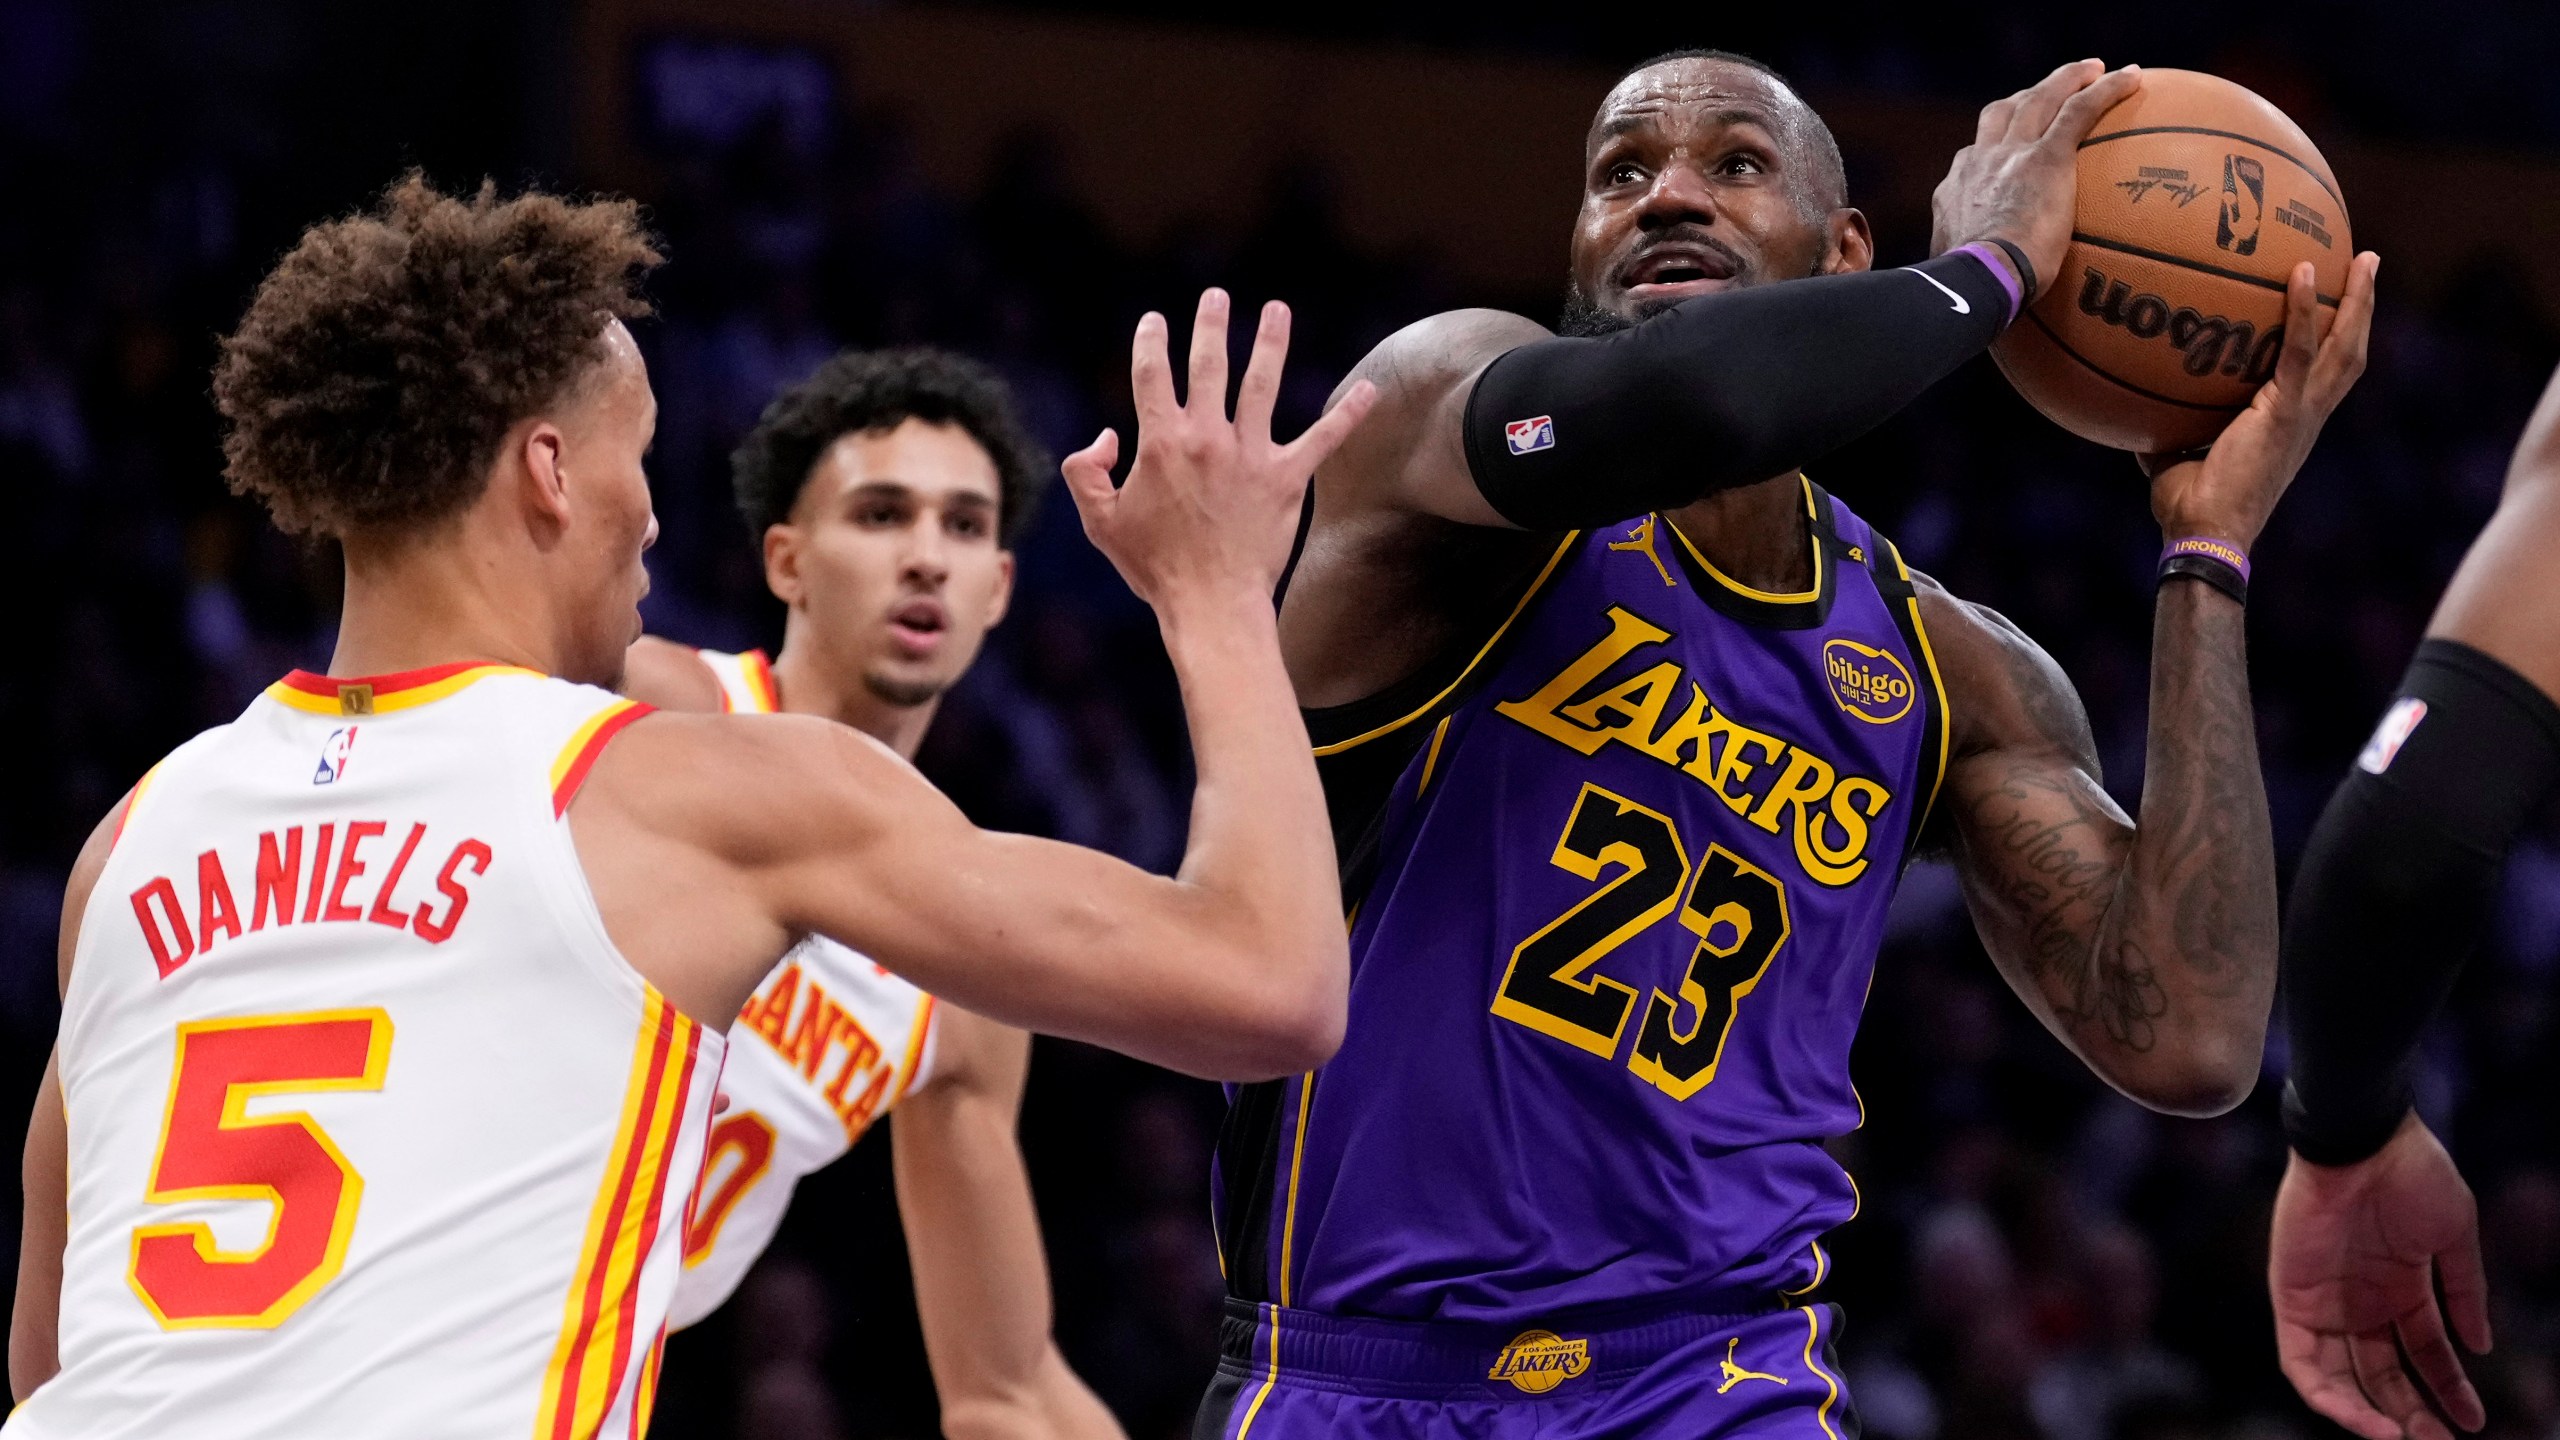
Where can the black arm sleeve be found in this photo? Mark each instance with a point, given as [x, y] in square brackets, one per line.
[2396, 885]
[1718, 391]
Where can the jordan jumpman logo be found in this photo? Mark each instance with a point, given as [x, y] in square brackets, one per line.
[1640, 539]
[1735, 1374]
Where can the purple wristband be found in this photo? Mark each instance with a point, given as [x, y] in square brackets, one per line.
[1998, 264]
[2222, 550]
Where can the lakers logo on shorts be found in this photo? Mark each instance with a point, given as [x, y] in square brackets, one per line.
[1869, 683]
[1538, 1361]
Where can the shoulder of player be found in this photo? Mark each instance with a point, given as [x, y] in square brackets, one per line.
[1438, 349]
[1424, 373]
[84, 879]
[2003, 691]
[669, 676]
[974, 1056]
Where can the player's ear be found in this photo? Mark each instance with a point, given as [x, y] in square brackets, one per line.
[1004, 589]
[1853, 245]
[782, 562]
[541, 475]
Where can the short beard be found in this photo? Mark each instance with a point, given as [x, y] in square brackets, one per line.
[905, 694]
[1583, 318]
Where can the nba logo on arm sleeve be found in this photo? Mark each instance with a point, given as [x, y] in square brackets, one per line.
[2398, 724]
[1538, 432]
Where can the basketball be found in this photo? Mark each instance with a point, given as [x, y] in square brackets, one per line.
[2196, 200]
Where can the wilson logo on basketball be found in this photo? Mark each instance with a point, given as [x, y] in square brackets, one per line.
[2207, 342]
[1540, 1360]
[1869, 683]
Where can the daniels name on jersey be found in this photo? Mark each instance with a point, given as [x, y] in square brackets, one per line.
[829, 1043]
[372, 1129]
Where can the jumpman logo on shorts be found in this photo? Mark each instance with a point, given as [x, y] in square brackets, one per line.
[1640, 540]
[1735, 1374]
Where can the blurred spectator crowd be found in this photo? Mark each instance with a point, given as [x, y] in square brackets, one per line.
[2036, 1258]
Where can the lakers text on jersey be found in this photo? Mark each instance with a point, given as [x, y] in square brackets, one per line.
[1617, 891]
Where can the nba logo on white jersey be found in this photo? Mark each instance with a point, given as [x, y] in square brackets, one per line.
[1538, 432]
[2398, 724]
[333, 756]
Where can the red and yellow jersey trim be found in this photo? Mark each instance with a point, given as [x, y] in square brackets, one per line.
[133, 802]
[648, 1400]
[915, 1049]
[759, 671]
[381, 694]
[747, 670]
[579, 756]
[593, 1356]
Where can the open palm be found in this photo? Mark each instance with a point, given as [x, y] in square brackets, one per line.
[2229, 490]
[2352, 1268]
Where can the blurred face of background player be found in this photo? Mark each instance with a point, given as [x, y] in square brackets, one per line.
[1700, 176]
[890, 563]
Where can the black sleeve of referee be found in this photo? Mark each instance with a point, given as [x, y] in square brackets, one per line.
[1719, 391]
[2396, 887]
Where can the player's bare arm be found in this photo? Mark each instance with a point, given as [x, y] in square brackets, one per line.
[973, 1240]
[1234, 967]
[2149, 947]
[35, 1318]
[1699, 191]
[2373, 1220]
[2501, 600]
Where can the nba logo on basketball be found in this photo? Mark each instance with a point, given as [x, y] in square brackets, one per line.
[2244, 204]
[333, 757]
[1536, 433]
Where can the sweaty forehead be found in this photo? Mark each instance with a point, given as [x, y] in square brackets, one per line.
[1680, 93]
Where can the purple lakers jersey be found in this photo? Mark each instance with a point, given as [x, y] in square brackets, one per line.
[1612, 925]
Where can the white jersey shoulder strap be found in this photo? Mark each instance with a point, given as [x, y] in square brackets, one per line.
[746, 681]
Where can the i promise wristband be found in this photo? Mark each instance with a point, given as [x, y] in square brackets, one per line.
[2218, 563]
[2011, 285]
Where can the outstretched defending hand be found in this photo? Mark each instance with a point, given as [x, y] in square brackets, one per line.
[1211, 503]
[2353, 1263]
[2229, 491]
[2019, 179]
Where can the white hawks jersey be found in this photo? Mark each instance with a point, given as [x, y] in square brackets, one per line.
[829, 1043]
[372, 1129]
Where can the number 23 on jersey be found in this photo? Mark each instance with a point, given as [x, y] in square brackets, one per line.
[1737, 911]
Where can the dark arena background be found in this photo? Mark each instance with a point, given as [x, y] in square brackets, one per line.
[2035, 1257]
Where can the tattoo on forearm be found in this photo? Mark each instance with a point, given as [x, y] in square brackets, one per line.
[2130, 935]
[2058, 874]
[2204, 865]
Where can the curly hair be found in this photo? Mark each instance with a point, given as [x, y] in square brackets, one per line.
[383, 360]
[876, 390]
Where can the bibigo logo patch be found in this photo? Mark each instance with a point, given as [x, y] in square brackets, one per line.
[1869, 683]
[1538, 1361]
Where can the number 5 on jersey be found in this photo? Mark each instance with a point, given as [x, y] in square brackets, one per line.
[1737, 911]
[211, 1148]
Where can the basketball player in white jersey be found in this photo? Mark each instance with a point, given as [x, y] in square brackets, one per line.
[886, 490]
[381, 1079]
